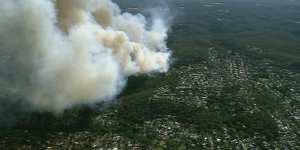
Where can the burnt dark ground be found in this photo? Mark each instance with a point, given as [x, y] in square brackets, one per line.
[234, 84]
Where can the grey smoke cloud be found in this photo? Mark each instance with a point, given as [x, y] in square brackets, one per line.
[63, 53]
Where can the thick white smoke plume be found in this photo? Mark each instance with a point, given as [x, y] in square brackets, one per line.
[61, 53]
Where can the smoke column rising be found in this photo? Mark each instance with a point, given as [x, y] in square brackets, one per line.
[62, 53]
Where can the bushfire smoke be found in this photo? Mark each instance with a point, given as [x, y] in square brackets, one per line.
[61, 53]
